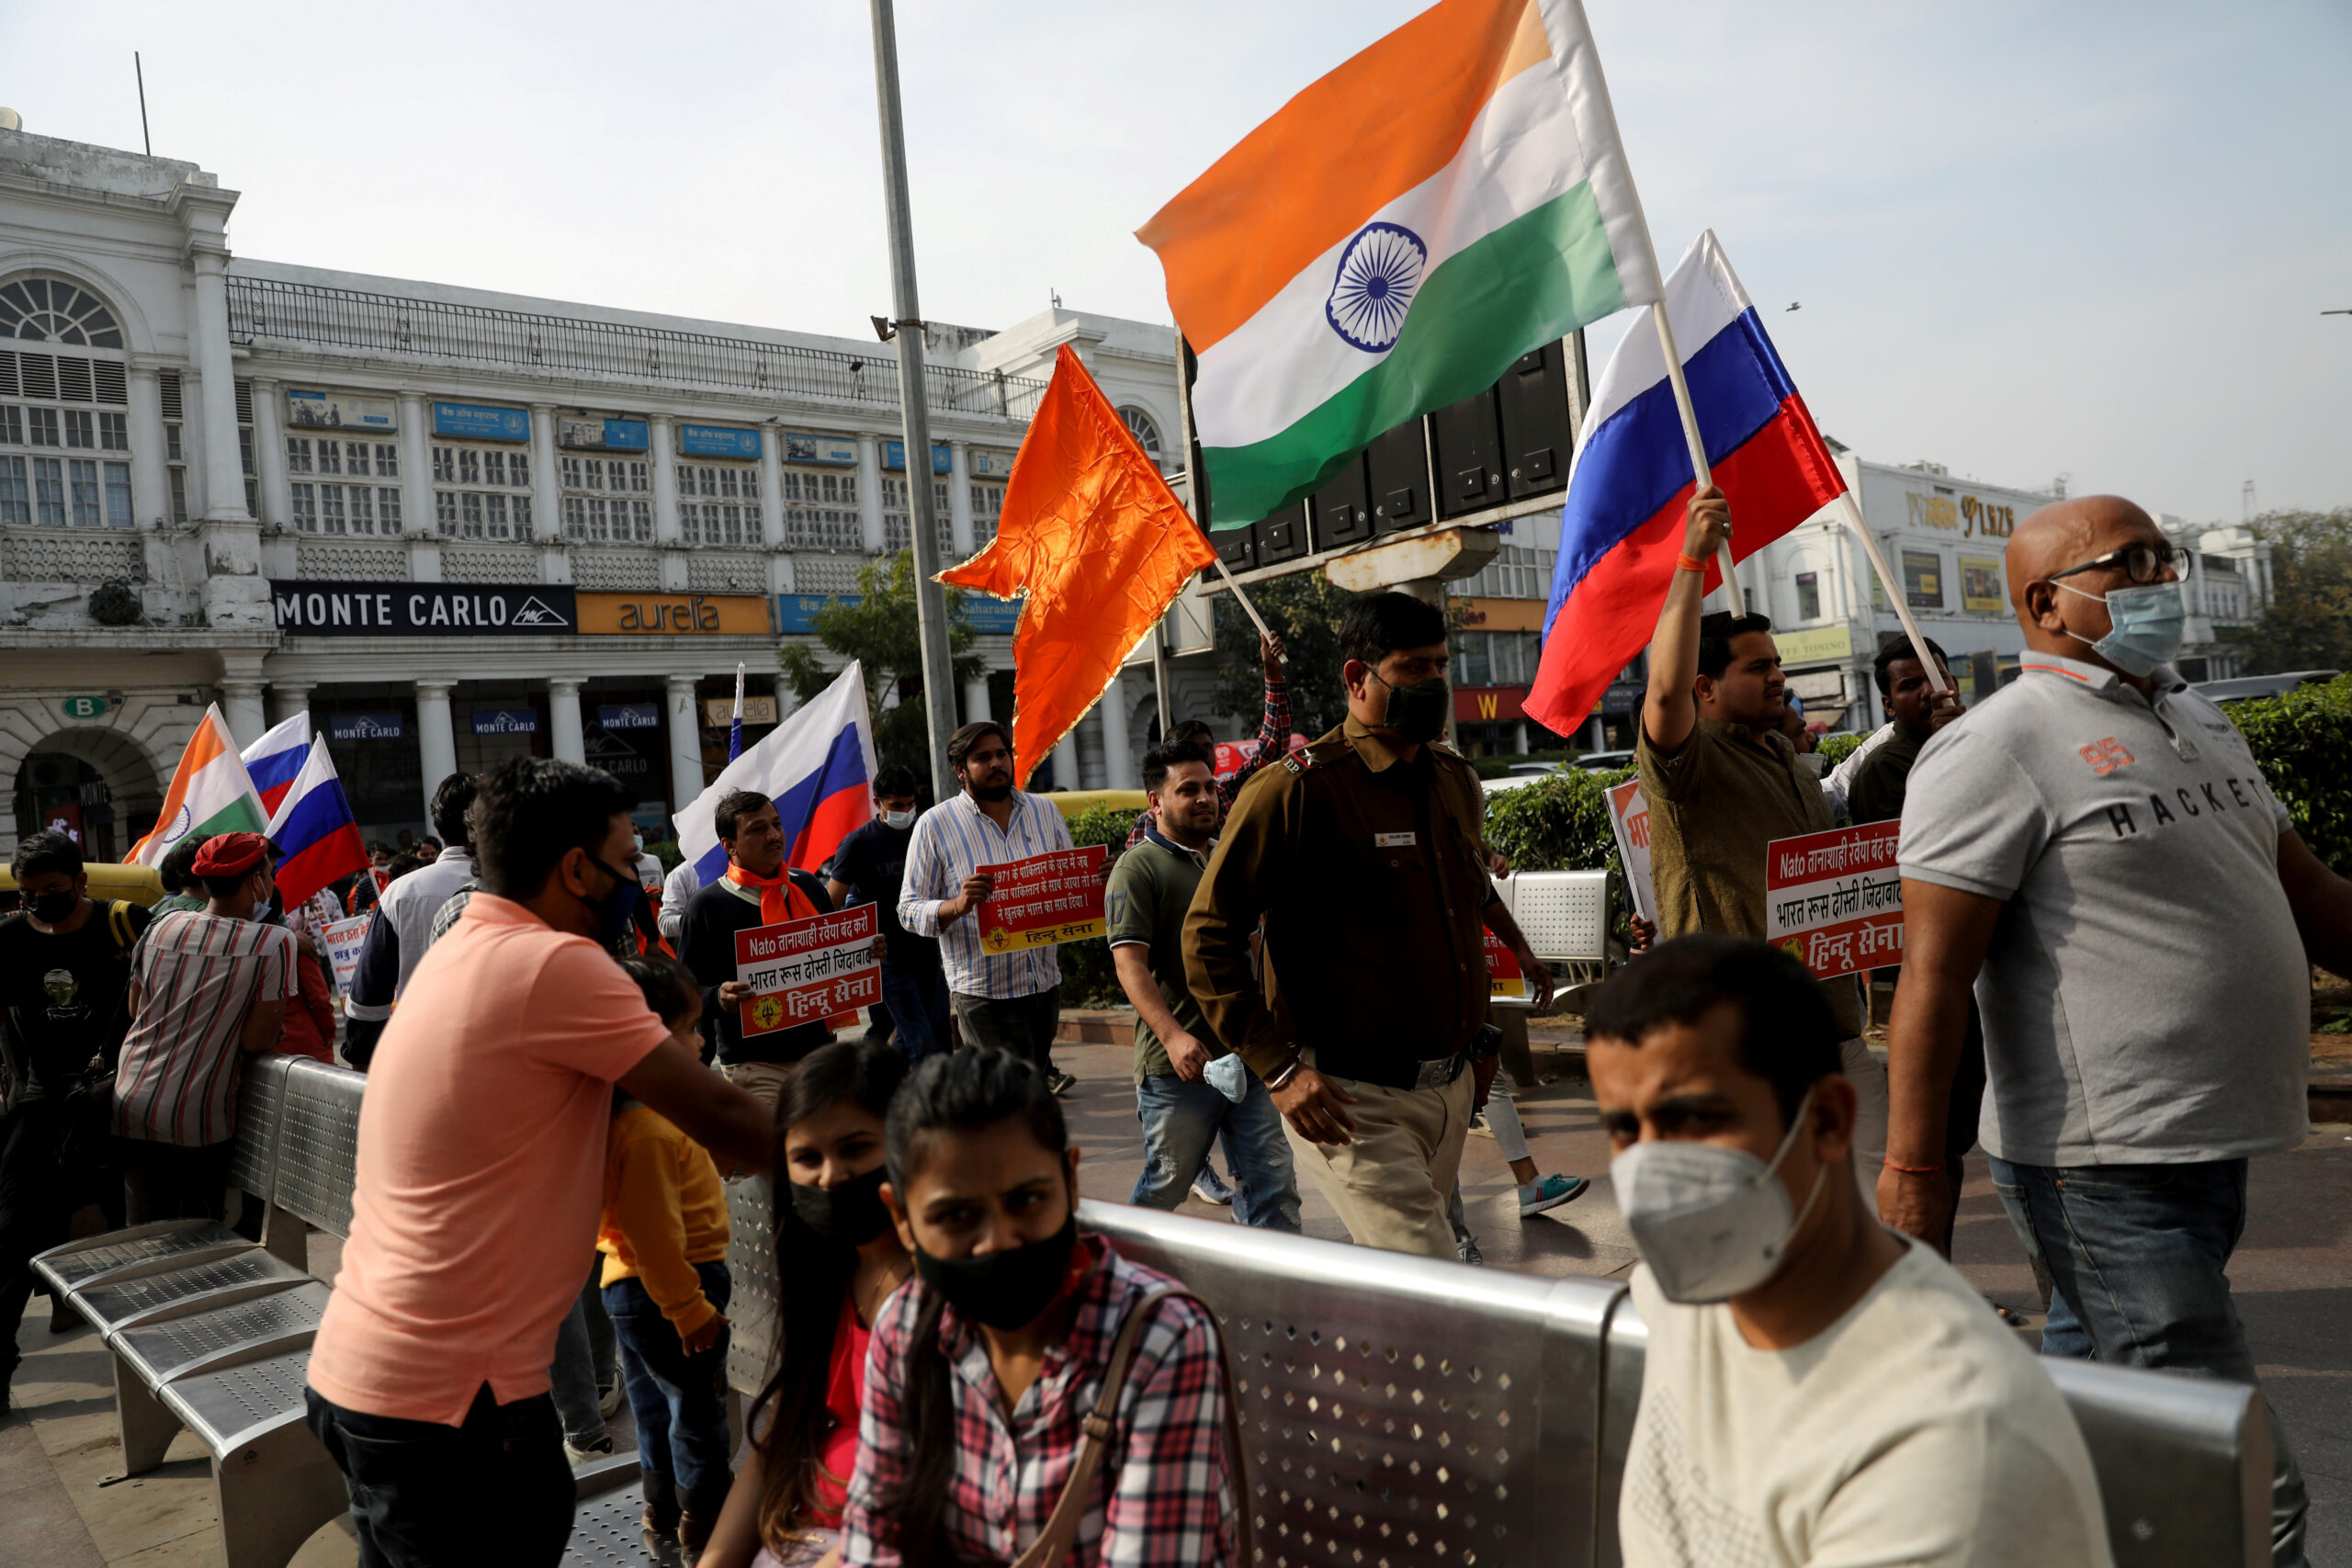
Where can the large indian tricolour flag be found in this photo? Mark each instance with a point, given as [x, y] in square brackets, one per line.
[210, 793]
[1447, 200]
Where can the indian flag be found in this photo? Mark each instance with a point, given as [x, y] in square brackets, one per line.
[210, 794]
[1447, 200]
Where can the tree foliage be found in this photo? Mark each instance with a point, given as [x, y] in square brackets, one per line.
[2308, 625]
[1303, 609]
[879, 632]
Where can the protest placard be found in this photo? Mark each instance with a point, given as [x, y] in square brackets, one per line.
[1629, 818]
[342, 939]
[1505, 978]
[1834, 900]
[804, 971]
[1048, 899]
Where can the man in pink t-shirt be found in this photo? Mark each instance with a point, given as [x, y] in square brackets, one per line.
[481, 1149]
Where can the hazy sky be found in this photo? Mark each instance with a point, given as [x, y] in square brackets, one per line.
[2028, 239]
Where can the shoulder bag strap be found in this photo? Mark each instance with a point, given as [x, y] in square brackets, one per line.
[1062, 1527]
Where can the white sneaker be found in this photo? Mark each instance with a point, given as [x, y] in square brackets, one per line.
[601, 1449]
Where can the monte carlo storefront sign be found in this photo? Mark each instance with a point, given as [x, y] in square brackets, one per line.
[309, 608]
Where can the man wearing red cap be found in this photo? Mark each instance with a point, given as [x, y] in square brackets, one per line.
[208, 988]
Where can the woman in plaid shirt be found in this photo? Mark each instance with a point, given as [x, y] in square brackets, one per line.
[984, 1368]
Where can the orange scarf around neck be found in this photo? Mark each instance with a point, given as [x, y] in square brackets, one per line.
[780, 900]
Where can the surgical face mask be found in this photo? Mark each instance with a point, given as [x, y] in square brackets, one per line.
[1711, 1221]
[1003, 1290]
[1416, 709]
[52, 908]
[614, 909]
[2145, 625]
[852, 1213]
[259, 912]
[902, 820]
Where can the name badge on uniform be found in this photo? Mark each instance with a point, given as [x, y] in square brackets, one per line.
[1396, 841]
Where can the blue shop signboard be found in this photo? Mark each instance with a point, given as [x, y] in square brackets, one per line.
[629, 715]
[717, 441]
[838, 451]
[894, 456]
[505, 721]
[593, 433]
[364, 726]
[481, 421]
[986, 617]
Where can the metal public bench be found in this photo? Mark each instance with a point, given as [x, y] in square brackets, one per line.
[212, 1333]
[1565, 917]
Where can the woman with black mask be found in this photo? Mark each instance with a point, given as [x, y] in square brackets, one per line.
[1017, 1333]
[839, 1260]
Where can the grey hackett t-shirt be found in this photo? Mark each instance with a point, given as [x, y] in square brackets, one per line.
[2146, 999]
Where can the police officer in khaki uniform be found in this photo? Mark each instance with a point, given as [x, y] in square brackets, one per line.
[1365, 858]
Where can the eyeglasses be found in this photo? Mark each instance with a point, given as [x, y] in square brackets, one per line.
[2140, 563]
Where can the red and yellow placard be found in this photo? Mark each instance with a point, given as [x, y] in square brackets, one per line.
[815, 969]
[1048, 899]
[1504, 976]
[1834, 900]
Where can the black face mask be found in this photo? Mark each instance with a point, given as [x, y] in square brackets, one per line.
[55, 909]
[1003, 1290]
[1416, 709]
[850, 1214]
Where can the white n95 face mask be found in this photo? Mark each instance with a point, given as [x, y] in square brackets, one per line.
[1710, 1222]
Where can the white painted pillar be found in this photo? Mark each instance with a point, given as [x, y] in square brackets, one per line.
[547, 509]
[772, 491]
[664, 456]
[288, 698]
[685, 743]
[1519, 734]
[976, 702]
[1118, 761]
[417, 467]
[271, 480]
[224, 468]
[151, 485]
[869, 492]
[1066, 774]
[959, 498]
[565, 736]
[241, 705]
[436, 739]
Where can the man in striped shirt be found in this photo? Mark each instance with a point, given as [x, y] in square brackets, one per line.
[208, 988]
[1010, 1000]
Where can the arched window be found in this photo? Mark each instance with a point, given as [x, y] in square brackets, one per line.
[1145, 429]
[51, 309]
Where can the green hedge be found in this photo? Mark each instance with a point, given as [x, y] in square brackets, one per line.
[1559, 822]
[2303, 740]
[1088, 980]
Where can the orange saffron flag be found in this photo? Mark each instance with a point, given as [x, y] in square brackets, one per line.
[1101, 545]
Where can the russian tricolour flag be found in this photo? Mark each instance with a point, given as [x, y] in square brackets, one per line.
[317, 837]
[275, 761]
[1631, 480]
[818, 766]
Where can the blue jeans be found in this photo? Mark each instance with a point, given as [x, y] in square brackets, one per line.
[1182, 1120]
[680, 1401]
[2136, 1255]
[916, 995]
[493, 1490]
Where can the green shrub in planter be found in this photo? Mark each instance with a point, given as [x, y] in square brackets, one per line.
[1087, 979]
[2303, 740]
[1559, 822]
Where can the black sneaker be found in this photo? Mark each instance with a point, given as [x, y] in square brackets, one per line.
[1060, 1083]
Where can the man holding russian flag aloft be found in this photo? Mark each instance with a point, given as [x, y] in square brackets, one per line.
[1722, 783]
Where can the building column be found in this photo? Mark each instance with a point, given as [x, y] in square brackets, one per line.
[959, 498]
[288, 698]
[685, 743]
[240, 705]
[1518, 733]
[416, 468]
[772, 490]
[271, 482]
[976, 702]
[565, 736]
[151, 485]
[663, 455]
[546, 512]
[1066, 776]
[224, 468]
[436, 738]
[869, 492]
[1118, 762]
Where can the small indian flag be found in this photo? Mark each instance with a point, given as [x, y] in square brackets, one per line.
[1447, 200]
[209, 795]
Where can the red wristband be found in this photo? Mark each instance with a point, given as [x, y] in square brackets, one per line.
[1686, 563]
[1916, 1170]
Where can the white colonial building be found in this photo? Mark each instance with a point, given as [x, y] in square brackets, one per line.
[455, 525]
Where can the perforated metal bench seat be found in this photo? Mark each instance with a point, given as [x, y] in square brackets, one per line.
[185, 1336]
[141, 1249]
[274, 1483]
[607, 1526]
[124, 1303]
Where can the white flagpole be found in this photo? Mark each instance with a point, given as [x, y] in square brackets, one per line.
[1698, 446]
[1255, 619]
[1853, 515]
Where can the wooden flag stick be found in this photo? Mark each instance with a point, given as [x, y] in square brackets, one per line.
[1698, 446]
[1894, 594]
[1255, 619]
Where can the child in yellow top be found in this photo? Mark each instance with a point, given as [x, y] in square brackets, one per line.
[665, 1240]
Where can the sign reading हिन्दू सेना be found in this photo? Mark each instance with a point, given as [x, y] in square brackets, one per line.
[817, 968]
[1834, 900]
[1045, 899]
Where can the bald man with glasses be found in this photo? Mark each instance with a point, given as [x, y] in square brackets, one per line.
[2097, 854]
